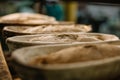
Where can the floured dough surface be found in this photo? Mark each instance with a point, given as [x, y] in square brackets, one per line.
[58, 28]
[27, 18]
[52, 38]
[72, 38]
[78, 54]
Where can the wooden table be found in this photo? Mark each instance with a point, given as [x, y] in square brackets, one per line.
[4, 71]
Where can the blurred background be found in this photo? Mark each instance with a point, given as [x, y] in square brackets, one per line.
[103, 18]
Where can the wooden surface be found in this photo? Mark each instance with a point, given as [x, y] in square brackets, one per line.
[4, 71]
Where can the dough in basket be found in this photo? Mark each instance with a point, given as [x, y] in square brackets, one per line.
[79, 54]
